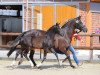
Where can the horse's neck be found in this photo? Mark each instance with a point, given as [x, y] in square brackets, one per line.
[51, 35]
[68, 31]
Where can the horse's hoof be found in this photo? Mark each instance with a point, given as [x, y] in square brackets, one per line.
[32, 67]
[31, 63]
[19, 63]
[73, 66]
[12, 66]
[35, 67]
[60, 63]
[39, 65]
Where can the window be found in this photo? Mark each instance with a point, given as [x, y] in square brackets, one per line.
[95, 7]
[10, 18]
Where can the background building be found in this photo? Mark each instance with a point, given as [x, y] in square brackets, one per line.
[17, 16]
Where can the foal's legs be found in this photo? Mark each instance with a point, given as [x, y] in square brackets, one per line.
[53, 51]
[45, 54]
[17, 54]
[31, 58]
[21, 59]
[44, 57]
[24, 53]
[69, 59]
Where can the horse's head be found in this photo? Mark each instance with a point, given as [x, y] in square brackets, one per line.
[79, 25]
[55, 29]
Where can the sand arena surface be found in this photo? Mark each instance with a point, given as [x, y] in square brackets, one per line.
[49, 68]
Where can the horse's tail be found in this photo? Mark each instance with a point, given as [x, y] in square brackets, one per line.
[14, 44]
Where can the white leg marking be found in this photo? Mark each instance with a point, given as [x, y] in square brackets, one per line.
[60, 63]
[40, 64]
[31, 63]
[13, 63]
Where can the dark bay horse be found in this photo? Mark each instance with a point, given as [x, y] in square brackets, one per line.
[61, 44]
[67, 32]
[25, 44]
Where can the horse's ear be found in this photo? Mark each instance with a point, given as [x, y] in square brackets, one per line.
[79, 17]
[57, 23]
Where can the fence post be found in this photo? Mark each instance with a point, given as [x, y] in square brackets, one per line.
[40, 54]
[91, 47]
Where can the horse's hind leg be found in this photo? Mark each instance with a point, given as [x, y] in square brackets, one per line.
[17, 54]
[24, 53]
[44, 57]
[21, 60]
[53, 51]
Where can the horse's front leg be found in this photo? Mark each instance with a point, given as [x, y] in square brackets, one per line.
[44, 58]
[69, 59]
[31, 58]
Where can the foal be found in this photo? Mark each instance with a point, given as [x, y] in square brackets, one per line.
[35, 42]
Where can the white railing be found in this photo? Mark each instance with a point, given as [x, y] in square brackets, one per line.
[23, 1]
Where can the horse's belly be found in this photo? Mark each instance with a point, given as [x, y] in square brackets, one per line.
[37, 43]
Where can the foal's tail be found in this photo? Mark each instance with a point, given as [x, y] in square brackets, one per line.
[14, 44]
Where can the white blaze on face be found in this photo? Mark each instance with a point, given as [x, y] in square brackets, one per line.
[77, 30]
[77, 21]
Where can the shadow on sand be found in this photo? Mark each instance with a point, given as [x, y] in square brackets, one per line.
[55, 66]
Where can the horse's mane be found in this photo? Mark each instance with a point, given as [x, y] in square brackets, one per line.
[51, 29]
[67, 23]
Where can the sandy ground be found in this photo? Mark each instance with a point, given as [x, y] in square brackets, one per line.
[49, 68]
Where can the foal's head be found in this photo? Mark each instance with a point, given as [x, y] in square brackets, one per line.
[55, 29]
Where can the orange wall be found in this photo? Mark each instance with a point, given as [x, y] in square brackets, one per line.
[65, 13]
[47, 17]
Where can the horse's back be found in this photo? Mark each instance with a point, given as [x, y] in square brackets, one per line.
[35, 32]
[37, 42]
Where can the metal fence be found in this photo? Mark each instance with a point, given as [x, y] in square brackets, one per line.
[91, 47]
[44, 1]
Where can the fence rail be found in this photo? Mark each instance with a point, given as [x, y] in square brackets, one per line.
[91, 47]
[9, 34]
